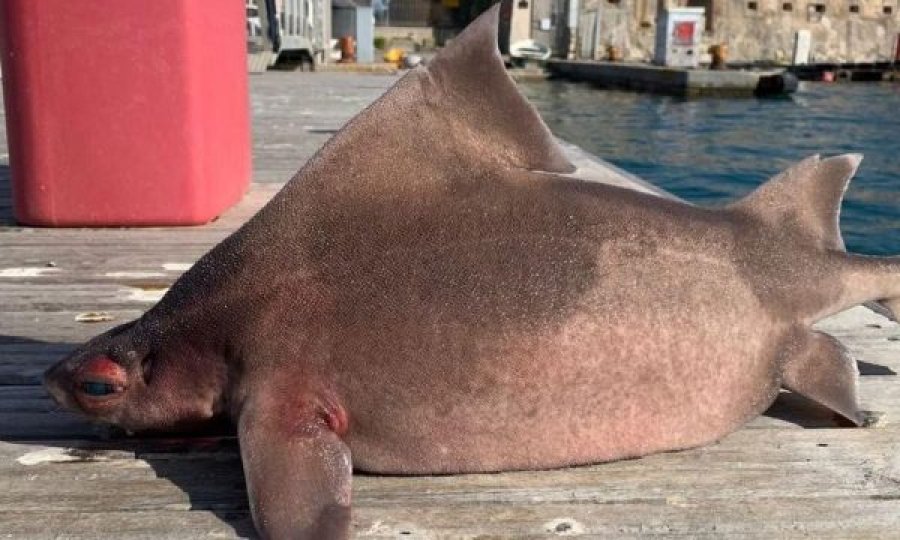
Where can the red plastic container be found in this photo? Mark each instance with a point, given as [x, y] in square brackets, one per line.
[125, 112]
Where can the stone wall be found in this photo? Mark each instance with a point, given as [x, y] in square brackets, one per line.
[758, 30]
[629, 25]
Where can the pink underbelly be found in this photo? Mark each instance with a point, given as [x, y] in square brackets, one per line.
[552, 405]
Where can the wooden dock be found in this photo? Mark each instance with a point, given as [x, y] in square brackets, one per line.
[792, 473]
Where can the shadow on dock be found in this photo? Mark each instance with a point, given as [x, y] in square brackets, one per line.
[6, 214]
[205, 466]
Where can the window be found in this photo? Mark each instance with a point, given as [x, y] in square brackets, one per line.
[752, 5]
[787, 6]
[814, 12]
[708, 14]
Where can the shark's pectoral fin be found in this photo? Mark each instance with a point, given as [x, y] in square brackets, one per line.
[821, 368]
[298, 473]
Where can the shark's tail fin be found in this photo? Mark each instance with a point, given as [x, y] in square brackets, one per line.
[875, 281]
[806, 197]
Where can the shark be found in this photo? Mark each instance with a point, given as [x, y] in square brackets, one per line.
[480, 308]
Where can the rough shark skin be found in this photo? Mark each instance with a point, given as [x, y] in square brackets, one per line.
[476, 309]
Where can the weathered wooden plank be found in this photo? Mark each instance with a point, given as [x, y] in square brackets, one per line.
[47, 425]
[131, 525]
[289, 127]
[806, 518]
[86, 297]
[746, 476]
[256, 196]
[838, 519]
[36, 330]
[97, 263]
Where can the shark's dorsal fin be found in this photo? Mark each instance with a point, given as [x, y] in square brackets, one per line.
[470, 75]
[806, 197]
[438, 124]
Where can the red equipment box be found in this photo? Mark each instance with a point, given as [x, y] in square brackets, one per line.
[125, 112]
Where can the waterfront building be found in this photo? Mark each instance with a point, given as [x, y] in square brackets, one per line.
[766, 31]
[763, 31]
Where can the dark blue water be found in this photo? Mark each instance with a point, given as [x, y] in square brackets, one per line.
[712, 151]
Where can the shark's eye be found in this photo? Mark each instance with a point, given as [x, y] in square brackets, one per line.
[100, 377]
[98, 388]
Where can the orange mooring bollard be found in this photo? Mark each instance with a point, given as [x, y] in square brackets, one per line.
[348, 49]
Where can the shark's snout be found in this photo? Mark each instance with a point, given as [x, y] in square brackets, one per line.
[57, 381]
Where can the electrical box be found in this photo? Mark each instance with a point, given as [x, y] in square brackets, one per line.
[125, 113]
[802, 47]
[678, 34]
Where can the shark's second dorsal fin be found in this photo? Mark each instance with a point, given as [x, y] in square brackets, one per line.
[806, 197]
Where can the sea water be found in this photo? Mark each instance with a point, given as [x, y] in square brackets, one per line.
[712, 151]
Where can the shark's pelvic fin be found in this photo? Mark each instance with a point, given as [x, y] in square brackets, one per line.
[820, 368]
[806, 197]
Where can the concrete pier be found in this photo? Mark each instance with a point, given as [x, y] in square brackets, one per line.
[848, 71]
[674, 81]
